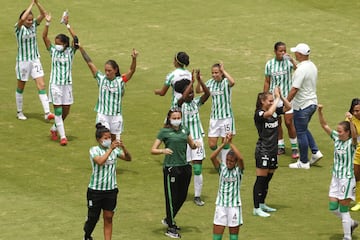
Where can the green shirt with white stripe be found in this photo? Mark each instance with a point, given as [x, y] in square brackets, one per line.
[229, 187]
[61, 65]
[343, 157]
[191, 118]
[221, 99]
[27, 42]
[280, 75]
[103, 177]
[110, 95]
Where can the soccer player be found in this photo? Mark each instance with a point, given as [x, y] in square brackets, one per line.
[278, 74]
[191, 120]
[228, 211]
[102, 189]
[221, 119]
[354, 113]
[342, 186]
[266, 122]
[178, 78]
[111, 90]
[176, 169]
[62, 55]
[28, 59]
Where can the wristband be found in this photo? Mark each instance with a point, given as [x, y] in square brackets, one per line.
[68, 26]
[47, 23]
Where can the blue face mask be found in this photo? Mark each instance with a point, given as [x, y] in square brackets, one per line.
[106, 143]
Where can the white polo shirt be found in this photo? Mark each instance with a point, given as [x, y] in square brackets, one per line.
[304, 79]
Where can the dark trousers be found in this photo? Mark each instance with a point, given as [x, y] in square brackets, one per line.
[176, 184]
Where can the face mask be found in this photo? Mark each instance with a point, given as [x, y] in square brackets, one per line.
[106, 143]
[59, 47]
[175, 122]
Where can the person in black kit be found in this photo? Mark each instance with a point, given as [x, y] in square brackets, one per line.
[266, 122]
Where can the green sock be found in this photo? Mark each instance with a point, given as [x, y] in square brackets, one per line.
[234, 236]
[226, 146]
[217, 236]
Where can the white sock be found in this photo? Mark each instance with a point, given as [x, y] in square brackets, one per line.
[19, 101]
[346, 222]
[60, 126]
[198, 183]
[53, 128]
[281, 142]
[45, 102]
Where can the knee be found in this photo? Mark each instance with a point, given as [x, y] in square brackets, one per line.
[58, 111]
[197, 169]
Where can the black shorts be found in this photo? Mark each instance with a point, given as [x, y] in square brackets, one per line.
[106, 200]
[265, 161]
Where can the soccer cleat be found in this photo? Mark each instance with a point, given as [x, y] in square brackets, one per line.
[198, 201]
[356, 207]
[266, 208]
[294, 153]
[299, 164]
[63, 142]
[259, 212]
[49, 116]
[172, 232]
[315, 157]
[164, 222]
[21, 116]
[354, 226]
[281, 151]
[54, 135]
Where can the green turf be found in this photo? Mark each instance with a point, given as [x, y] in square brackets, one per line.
[43, 185]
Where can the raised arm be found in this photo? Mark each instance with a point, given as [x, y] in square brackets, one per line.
[227, 75]
[353, 130]
[205, 89]
[100, 160]
[87, 59]
[239, 157]
[187, 90]
[132, 69]
[272, 109]
[323, 123]
[25, 15]
[214, 155]
[46, 30]
[42, 12]
[287, 104]
[71, 31]
[125, 153]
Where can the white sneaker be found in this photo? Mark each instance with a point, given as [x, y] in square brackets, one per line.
[21, 116]
[299, 164]
[315, 157]
[260, 213]
[266, 208]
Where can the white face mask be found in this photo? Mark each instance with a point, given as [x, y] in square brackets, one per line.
[175, 122]
[106, 143]
[59, 47]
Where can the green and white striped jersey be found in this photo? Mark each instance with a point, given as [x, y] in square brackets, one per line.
[280, 75]
[229, 187]
[110, 95]
[191, 118]
[172, 78]
[343, 157]
[221, 99]
[27, 42]
[103, 177]
[61, 65]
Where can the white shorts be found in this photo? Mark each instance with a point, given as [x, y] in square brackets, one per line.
[221, 127]
[61, 94]
[197, 153]
[228, 216]
[113, 123]
[342, 188]
[25, 69]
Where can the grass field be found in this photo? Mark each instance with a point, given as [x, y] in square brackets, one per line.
[43, 185]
